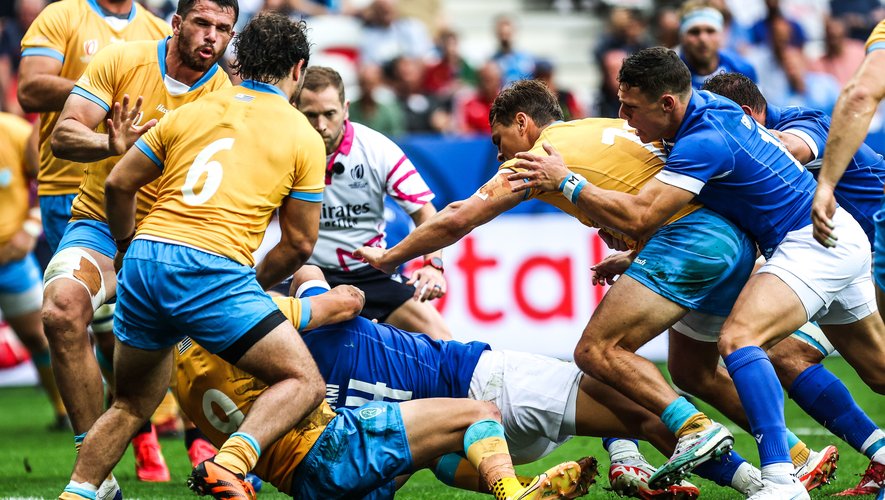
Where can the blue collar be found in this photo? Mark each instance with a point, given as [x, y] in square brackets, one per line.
[772, 116]
[263, 87]
[161, 58]
[98, 10]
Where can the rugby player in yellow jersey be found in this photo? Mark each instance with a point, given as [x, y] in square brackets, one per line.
[224, 164]
[20, 295]
[387, 439]
[688, 273]
[55, 51]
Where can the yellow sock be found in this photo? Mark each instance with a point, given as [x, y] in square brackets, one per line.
[239, 453]
[799, 453]
[47, 380]
[506, 487]
[695, 423]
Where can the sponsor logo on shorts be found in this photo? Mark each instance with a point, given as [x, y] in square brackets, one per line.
[370, 413]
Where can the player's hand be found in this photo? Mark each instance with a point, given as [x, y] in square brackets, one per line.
[350, 294]
[822, 209]
[429, 283]
[18, 247]
[123, 129]
[544, 173]
[611, 267]
[374, 256]
[613, 241]
[118, 261]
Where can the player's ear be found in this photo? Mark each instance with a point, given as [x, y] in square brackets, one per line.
[297, 70]
[668, 103]
[176, 24]
[347, 110]
[521, 120]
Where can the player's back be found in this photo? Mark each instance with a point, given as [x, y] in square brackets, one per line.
[14, 134]
[608, 154]
[135, 69]
[217, 396]
[228, 160]
[363, 361]
[747, 175]
[73, 32]
[859, 191]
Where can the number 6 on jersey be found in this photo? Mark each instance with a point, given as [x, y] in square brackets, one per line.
[212, 169]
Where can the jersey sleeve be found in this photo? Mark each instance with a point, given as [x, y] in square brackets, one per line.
[297, 311]
[695, 160]
[310, 168]
[49, 33]
[812, 132]
[876, 40]
[98, 82]
[152, 143]
[402, 181]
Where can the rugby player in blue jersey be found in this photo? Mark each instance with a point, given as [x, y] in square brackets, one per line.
[725, 160]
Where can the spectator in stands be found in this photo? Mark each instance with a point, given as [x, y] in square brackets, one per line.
[571, 110]
[451, 72]
[626, 35]
[11, 34]
[515, 64]
[701, 44]
[859, 16]
[761, 32]
[666, 27]
[387, 35]
[473, 113]
[842, 55]
[423, 113]
[375, 107]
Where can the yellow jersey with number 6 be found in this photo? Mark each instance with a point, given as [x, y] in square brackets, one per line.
[608, 154]
[228, 161]
[876, 40]
[73, 32]
[136, 69]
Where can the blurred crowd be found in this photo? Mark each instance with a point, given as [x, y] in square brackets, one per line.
[405, 71]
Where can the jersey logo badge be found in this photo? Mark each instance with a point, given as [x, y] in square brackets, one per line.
[244, 97]
[370, 413]
[90, 47]
[358, 172]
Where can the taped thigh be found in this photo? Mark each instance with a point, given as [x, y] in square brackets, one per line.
[76, 264]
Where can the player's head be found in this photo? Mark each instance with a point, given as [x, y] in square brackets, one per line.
[518, 115]
[272, 48]
[654, 86]
[322, 101]
[741, 90]
[700, 32]
[202, 30]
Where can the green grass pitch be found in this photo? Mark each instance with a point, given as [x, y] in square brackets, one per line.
[35, 463]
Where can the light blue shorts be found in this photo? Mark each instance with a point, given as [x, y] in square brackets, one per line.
[20, 276]
[879, 250]
[56, 212]
[91, 234]
[166, 292]
[700, 262]
[357, 456]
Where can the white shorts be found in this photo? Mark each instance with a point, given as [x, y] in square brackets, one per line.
[537, 397]
[833, 284]
[700, 326]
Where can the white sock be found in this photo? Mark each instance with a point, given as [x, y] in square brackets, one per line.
[780, 473]
[108, 489]
[83, 489]
[747, 479]
[623, 449]
[879, 456]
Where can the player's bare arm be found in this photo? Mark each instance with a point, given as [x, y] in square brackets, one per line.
[637, 216]
[851, 117]
[40, 89]
[448, 226]
[74, 137]
[342, 303]
[428, 280]
[299, 225]
[795, 145]
[132, 172]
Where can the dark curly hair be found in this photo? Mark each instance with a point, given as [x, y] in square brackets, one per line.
[531, 97]
[269, 47]
[655, 71]
[739, 89]
[185, 6]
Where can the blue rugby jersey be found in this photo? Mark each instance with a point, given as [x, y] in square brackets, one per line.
[859, 191]
[738, 169]
[363, 361]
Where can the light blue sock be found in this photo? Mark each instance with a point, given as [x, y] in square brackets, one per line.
[677, 413]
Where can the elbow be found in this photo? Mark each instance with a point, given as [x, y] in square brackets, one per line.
[26, 99]
[301, 251]
[57, 145]
[456, 222]
[859, 96]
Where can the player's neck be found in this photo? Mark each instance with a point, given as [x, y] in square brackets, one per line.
[704, 68]
[175, 67]
[117, 8]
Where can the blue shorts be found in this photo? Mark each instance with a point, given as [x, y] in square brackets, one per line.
[166, 292]
[56, 212]
[91, 234]
[357, 456]
[700, 262]
[20, 275]
[879, 249]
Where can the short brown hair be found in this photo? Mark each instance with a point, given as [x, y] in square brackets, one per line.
[317, 78]
[531, 97]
